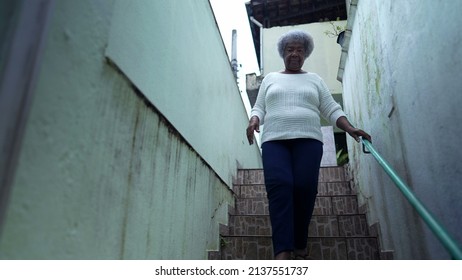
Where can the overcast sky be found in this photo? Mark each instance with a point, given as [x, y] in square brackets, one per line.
[231, 14]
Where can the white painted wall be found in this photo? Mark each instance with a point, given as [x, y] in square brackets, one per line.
[407, 55]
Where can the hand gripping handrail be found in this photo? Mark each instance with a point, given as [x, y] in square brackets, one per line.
[447, 241]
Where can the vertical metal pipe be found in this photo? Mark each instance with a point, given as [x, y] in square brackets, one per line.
[261, 42]
[234, 53]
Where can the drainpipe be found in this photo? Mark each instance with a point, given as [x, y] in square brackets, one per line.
[346, 38]
[261, 42]
[234, 53]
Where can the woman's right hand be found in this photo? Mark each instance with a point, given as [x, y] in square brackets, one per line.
[254, 125]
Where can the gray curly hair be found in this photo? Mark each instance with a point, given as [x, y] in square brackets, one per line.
[296, 36]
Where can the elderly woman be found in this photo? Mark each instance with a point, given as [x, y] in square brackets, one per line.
[289, 104]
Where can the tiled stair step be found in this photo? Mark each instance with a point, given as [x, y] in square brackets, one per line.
[334, 248]
[255, 176]
[324, 189]
[320, 226]
[324, 205]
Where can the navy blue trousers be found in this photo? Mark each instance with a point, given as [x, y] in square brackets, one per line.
[291, 169]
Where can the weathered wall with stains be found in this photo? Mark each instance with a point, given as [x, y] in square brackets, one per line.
[402, 84]
[103, 173]
[172, 51]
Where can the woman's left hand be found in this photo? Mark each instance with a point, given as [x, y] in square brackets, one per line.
[356, 133]
[345, 125]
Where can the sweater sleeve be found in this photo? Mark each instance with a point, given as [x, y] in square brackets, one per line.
[328, 107]
[259, 109]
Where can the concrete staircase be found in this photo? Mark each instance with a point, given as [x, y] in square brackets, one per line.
[338, 229]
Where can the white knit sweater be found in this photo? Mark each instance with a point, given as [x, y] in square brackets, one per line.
[290, 106]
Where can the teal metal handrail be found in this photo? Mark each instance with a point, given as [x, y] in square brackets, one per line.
[447, 241]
